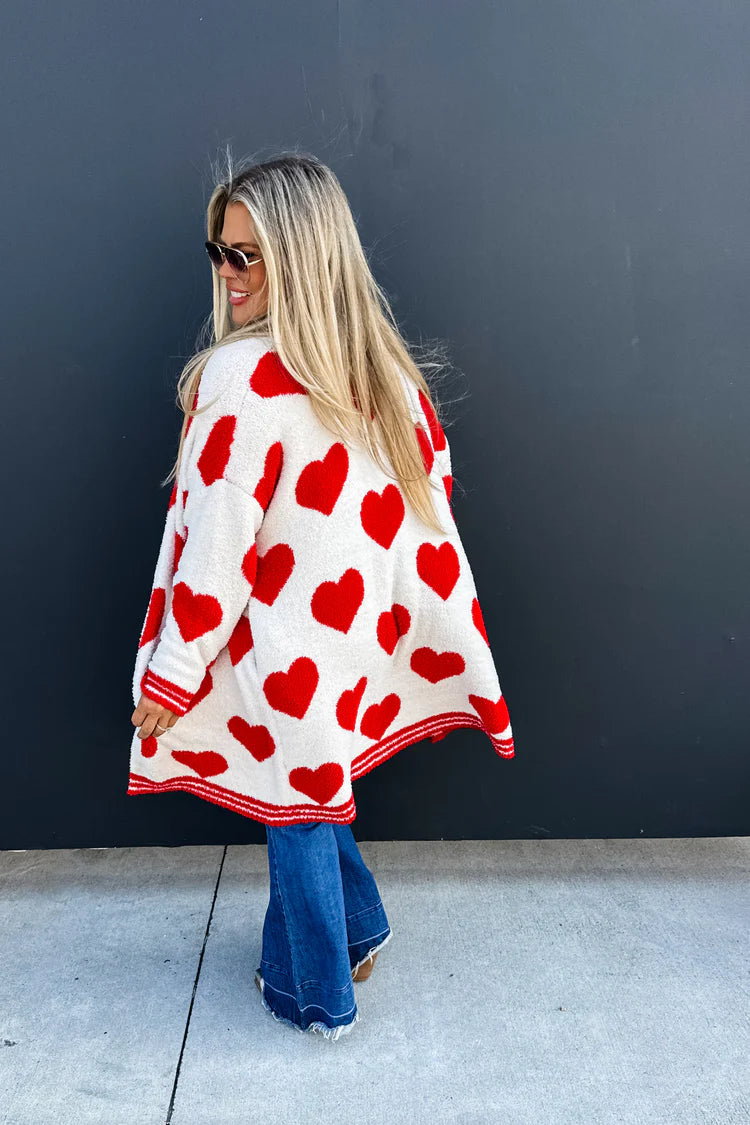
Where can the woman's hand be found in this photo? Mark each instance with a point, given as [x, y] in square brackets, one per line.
[148, 713]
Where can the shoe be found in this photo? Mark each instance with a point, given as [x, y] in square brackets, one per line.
[364, 970]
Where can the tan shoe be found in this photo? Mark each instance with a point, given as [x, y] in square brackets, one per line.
[364, 970]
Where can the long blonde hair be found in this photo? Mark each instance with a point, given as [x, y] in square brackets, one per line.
[330, 322]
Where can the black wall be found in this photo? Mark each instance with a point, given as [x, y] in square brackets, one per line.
[561, 192]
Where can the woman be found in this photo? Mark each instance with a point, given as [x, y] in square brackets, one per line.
[312, 610]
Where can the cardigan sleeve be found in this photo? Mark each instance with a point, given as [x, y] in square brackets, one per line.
[230, 475]
[210, 589]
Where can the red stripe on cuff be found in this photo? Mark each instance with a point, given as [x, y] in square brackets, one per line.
[163, 691]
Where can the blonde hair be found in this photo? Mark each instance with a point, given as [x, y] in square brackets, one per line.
[330, 322]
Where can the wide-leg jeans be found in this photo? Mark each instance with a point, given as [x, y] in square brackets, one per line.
[324, 918]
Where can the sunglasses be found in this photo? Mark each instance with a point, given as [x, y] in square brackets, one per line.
[237, 261]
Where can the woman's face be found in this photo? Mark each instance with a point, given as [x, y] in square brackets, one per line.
[247, 292]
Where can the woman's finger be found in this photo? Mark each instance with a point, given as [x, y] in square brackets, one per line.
[152, 718]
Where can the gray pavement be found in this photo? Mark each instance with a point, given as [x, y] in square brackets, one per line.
[551, 981]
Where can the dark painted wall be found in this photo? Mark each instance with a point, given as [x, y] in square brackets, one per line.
[560, 191]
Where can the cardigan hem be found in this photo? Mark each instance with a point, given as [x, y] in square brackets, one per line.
[434, 728]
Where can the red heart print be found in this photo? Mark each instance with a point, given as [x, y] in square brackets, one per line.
[207, 763]
[292, 691]
[195, 614]
[434, 666]
[448, 485]
[173, 496]
[494, 715]
[321, 784]
[184, 497]
[154, 614]
[273, 571]
[436, 430]
[270, 378]
[428, 457]
[214, 456]
[257, 739]
[179, 543]
[392, 624]
[320, 483]
[241, 640]
[348, 704]
[149, 746]
[336, 603]
[382, 514]
[266, 486]
[438, 567]
[205, 687]
[478, 619]
[249, 564]
[379, 716]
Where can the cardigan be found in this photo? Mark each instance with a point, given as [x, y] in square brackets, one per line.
[303, 622]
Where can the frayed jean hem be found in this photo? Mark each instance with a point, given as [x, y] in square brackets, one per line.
[330, 1033]
[375, 948]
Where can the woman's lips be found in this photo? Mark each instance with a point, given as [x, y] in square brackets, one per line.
[237, 300]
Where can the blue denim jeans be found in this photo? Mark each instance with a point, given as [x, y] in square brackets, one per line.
[324, 918]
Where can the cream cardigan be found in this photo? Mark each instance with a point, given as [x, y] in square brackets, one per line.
[303, 622]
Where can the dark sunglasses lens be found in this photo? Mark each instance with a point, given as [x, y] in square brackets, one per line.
[235, 261]
[214, 254]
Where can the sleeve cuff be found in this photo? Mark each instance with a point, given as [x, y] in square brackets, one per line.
[163, 691]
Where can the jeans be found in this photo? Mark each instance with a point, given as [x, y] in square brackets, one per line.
[324, 918]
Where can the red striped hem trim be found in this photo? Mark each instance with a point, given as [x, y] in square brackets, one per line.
[164, 691]
[245, 806]
[434, 728]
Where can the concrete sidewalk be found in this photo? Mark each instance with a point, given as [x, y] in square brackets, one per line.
[545, 982]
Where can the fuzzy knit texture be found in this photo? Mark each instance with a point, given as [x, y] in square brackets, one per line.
[303, 622]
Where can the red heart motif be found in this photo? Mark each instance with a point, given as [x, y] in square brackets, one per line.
[205, 687]
[207, 763]
[320, 784]
[336, 603]
[241, 640]
[184, 497]
[436, 430]
[195, 614]
[292, 691]
[214, 456]
[273, 571]
[257, 739]
[438, 567]
[348, 704]
[379, 716]
[149, 746]
[179, 543]
[448, 485]
[434, 666]
[319, 484]
[382, 514]
[154, 614]
[173, 496]
[270, 378]
[494, 715]
[392, 624]
[477, 618]
[428, 456]
[266, 486]
[249, 564]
